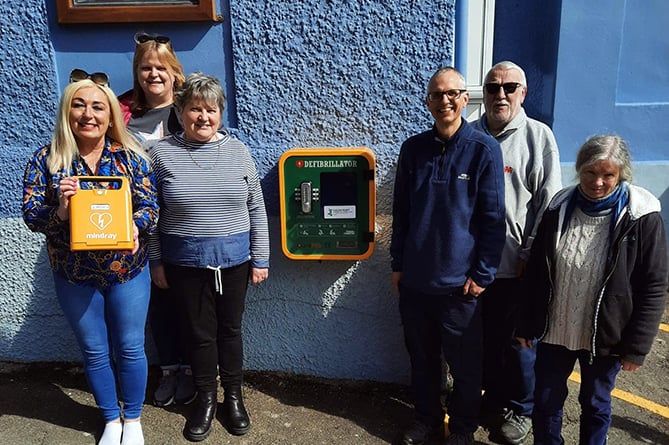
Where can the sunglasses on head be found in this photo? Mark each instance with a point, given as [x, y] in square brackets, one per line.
[77, 75]
[509, 87]
[141, 37]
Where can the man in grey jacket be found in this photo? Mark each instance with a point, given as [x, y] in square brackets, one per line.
[532, 176]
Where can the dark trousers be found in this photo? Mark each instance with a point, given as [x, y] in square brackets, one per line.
[508, 369]
[448, 324]
[168, 327]
[553, 367]
[214, 322]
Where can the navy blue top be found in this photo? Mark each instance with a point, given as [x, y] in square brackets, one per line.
[448, 210]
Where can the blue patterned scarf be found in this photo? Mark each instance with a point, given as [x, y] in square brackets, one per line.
[615, 202]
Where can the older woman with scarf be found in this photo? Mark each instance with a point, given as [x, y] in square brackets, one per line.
[595, 289]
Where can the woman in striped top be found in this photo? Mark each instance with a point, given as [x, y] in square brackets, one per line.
[212, 238]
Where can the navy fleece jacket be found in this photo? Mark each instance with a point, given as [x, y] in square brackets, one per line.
[448, 211]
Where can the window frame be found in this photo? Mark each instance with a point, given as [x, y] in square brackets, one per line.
[69, 12]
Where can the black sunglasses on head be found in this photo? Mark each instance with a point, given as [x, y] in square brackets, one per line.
[141, 37]
[509, 87]
[77, 75]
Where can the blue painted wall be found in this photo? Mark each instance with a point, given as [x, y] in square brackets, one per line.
[527, 33]
[302, 74]
[595, 67]
[613, 75]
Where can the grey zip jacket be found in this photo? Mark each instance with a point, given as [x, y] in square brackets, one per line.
[532, 176]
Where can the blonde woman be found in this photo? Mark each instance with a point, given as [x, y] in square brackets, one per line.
[103, 294]
[148, 109]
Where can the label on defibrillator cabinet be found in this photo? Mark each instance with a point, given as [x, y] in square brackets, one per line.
[339, 212]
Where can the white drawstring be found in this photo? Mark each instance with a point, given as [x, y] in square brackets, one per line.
[219, 280]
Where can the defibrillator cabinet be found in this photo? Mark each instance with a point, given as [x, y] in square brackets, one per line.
[328, 203]
[101, 214]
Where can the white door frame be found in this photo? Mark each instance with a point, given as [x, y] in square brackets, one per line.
[475, 46]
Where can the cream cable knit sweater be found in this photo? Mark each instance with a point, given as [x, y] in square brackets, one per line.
[579, 272]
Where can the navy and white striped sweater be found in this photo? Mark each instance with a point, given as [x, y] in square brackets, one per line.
[212, 211]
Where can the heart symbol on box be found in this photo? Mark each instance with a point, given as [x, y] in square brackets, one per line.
[101, 220]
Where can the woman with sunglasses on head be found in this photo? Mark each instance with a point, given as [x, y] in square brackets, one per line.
[212, 238]
[150, 115]
[148, 108]
[104, 294]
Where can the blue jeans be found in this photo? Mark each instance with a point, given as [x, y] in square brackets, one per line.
[448, 324]
[508, 369]
[553, 367]
[116, 315]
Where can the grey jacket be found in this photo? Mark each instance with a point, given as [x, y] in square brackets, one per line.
[532, 176]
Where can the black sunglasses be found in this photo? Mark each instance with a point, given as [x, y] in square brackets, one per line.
[141, 37]
[509, 87]
[77, 75]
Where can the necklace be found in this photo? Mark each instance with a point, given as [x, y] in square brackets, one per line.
[218, 155]
[91, 161]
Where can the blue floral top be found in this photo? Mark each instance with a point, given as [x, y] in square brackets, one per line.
[99, 268]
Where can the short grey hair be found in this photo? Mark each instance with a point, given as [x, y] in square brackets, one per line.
[444, 70]
[202, 87]
[605, 148]
[509, 65]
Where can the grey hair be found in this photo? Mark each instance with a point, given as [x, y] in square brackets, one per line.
[202, 87]
[605, 148]
[444, 70]
[509, 65]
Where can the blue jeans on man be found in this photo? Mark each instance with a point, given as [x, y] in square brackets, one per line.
[553, 367]
[448, 324]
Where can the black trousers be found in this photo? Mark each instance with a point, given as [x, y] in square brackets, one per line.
[448, 324]
[214, 321]
[508, 369]
[167, 325]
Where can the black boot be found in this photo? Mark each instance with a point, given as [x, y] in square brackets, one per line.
[235, 417]
[198, 425]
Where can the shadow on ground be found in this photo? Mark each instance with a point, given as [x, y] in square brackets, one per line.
[41, 393]
[381, 409]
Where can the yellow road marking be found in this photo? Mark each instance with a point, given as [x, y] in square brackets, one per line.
[648, 405]
[631, 398]
[664, 327]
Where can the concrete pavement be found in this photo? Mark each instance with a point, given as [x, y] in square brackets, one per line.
[50, 404]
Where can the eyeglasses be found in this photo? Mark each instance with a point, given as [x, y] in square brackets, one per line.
[509, 87]
[141, 37]
[439, 95]
[77, 75]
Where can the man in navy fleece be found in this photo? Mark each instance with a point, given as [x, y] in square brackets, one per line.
[448, 235]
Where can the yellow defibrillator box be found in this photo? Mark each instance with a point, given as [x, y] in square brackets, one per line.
[101, 214]
[328, 203]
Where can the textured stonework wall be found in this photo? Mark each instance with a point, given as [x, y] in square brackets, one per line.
[313, 73]
[31, 324]
[333, 74]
